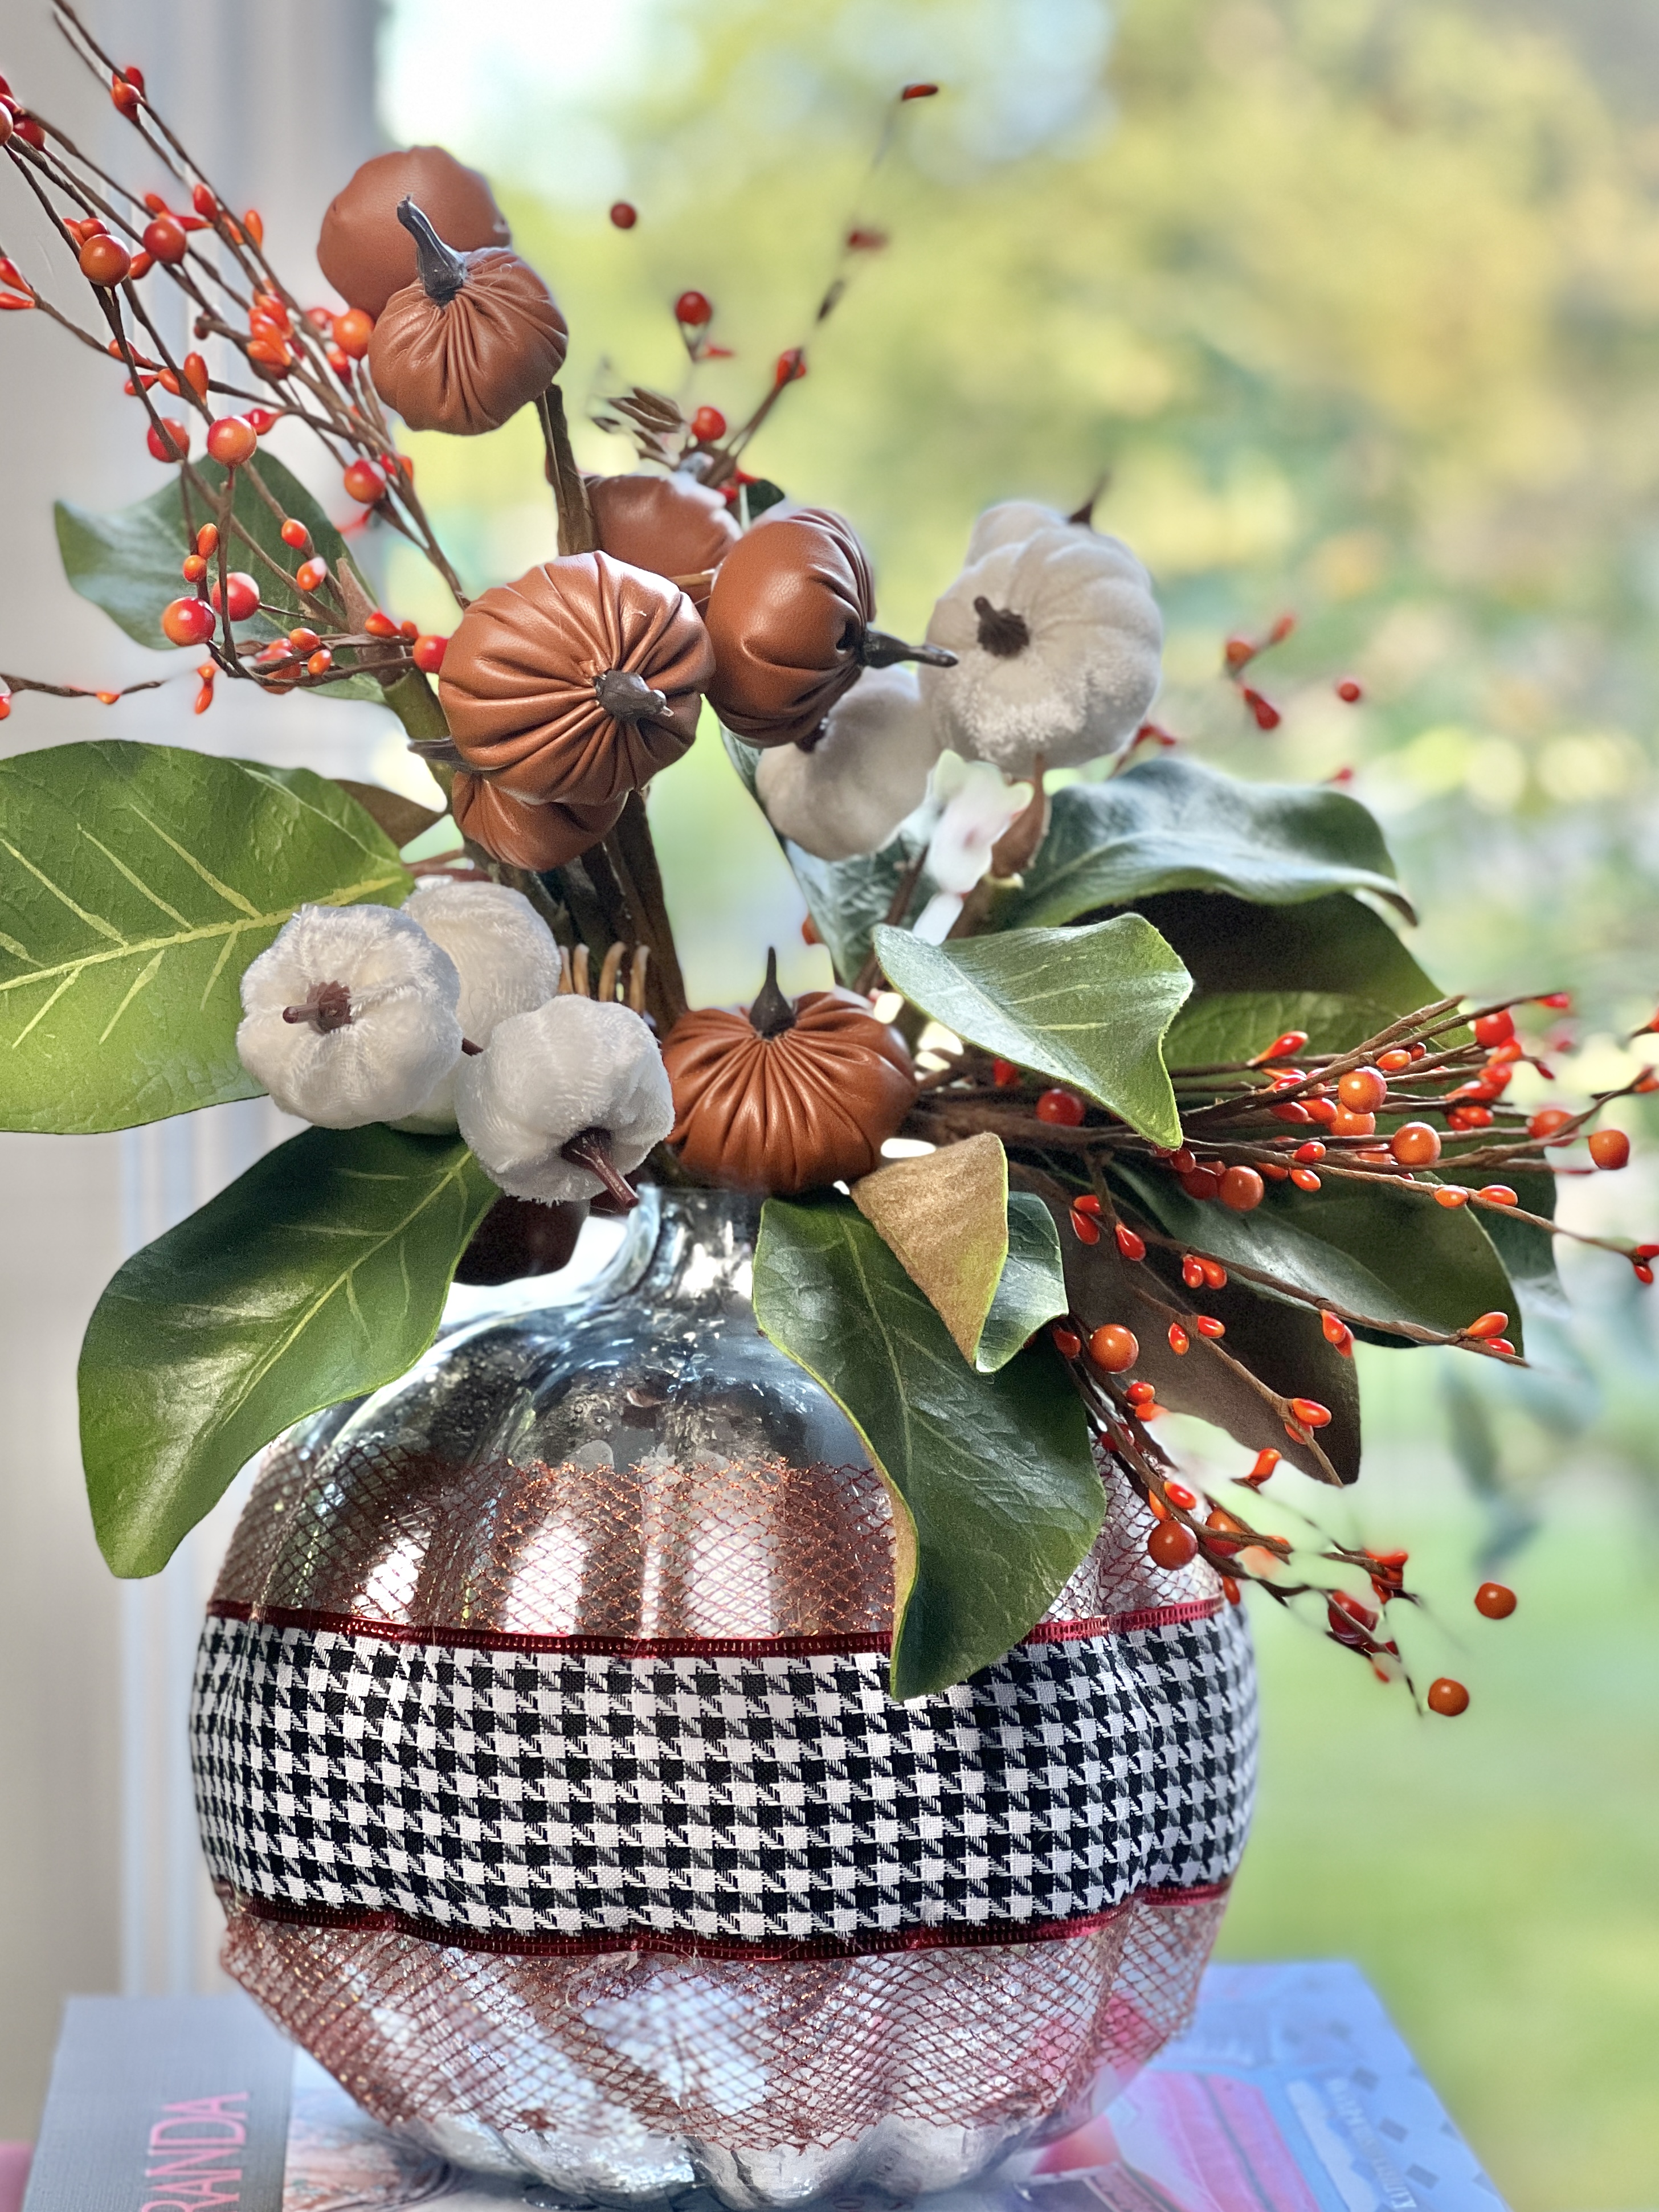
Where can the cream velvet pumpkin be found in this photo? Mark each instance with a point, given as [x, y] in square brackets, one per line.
[1011, 522]
[1057, 637]
[867, 771]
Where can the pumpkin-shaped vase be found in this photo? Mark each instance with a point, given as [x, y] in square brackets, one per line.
[547, 1770]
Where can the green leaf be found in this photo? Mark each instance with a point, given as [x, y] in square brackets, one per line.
[1169, 824]
[1335, 946]
[127, 562]
[136, 882]
[1389, 1254]
[995, 1496]
[1234, 1025]
[755, 498]
[989, 1264]
[1089, 1007]
[849, 900]
[318, 1275]
[1528, 1254]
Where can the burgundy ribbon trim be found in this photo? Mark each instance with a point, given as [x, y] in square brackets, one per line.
[676, 1943]
[674, 1647]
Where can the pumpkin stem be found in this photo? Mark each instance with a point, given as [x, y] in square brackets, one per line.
[879, 648]
[1002, 631]
[1084, 515]
[771, 1013]
[443, 271]
[1017, 847]
[627, 697]
[328, 1007]
[590, 1149]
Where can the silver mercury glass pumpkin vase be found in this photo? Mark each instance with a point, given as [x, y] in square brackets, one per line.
[547, 1774]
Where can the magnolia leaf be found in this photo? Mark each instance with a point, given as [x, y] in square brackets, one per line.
[127, 562]
[1282, 1346]
[995, 1496]
[990, 1264]
[1528, 1254]
[318, 1275]
[403, 819]
[1089, 1007]
[137, 882]
[1373, 1247]
[1235, 1025]
[1169, 824]
[849, 900]
[1335, 945]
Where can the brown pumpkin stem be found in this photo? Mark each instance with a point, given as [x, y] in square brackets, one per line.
[1084, 515]
[329, 1007]
[1018, 847]
[771, 1013]
[879, 648]
[1002, 631]
[627, 697]
[578, 532]
[590, 1149]
[443, 271]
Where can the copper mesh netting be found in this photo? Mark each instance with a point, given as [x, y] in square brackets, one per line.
[627, 2076]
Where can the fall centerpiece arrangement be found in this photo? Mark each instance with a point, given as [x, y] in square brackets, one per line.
[773, 1716]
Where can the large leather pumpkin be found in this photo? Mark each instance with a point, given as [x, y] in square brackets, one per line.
[787, 616]
[525, 834]
[576, 683]
[474, 338]
[786, 1098]
[366, 254]
[670, 524]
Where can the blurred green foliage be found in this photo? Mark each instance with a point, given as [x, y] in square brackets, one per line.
[1356, 305]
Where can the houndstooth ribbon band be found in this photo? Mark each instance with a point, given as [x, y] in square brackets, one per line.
[534, 1800]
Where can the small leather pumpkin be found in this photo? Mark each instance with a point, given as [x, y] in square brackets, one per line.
[787, 616]
[784, 1098]
[476, 336]
[524, 835]
[366, 254]
[672, 525]
[575, 685]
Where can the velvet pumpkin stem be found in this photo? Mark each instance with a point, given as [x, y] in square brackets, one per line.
[443, 271]
[771, 1013]
[879, 648]
[590, 1149]
[578, 532]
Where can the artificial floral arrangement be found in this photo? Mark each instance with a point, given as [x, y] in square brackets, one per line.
[1182, 1118]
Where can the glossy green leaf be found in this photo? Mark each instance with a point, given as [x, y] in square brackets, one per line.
[849, 900]
[995, 1496]
[1031, 1288]
[136, 882]
[319, 1274]
[1236, 1026]
[127, 562]
[1089, 1007]
[1528, 1254]
[1171, 824]
[1336, 945]
[1388, 1254]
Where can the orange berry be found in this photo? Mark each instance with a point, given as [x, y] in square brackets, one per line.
[364, 483]
[1495, 1599]
[187, 621]
[353, 331]
[1488, 1324]
[1172, 1544]
[104, 261]
[1498, 1194]
[231, 441]
[1266, 1461]
[428, 653]
[1362, 1090]
[1067, 1343]
[171, 442]
[1346, 1123]
[192, 567]
[1215, 1275]
[1390, 1063]
[1112, 1348]
[1179, 1339]
[303, 639]
[1451, 1193]
[1548, 1121]
[1231, 1590]
[1305, 1179]
[320, 662]
[1447, 1697]
[1415, 1145]
[311, 575]
[1207, 1325]
[1131, 1246]
[242, 592]
[1609, 1148]
[1494, 1029]
[1202, 1182]
[164, 240]
[380, 625]
[1241, 1190]
[1192, 1272]
[296, 534]
[1310, 1413]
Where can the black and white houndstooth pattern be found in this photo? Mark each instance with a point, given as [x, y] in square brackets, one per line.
[552, 1795]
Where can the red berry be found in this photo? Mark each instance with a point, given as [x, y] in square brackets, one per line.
[203, 203]
[1241, 1190]
[104, 261]
[1085, 1230]
[1207, 1325]
[1063, 1108]
[261, 419]
[157, 439]
[187, 621]
[1141, 1393]
[624, 214]
[231, 441]
[1231, 1590]
[1363, 1090]
[1498, 1194]
[1349, 1620]
[303, 639]
[1179, 1339]
[1350, 690]
[1495, 1599]
[1202, 1184]
[707, 424]
[1450, 1194]
[364, 483]
[1004, 1074]
[320, 662]
[1488, 1324]
[1494, 1029]
[792, 364]
[428, 652]
[1469, 1117]
[1192, 1272]
[380, 625]
[1266, 1461]
[1172, 1544]
[1088, 1203]
[296, 535]
[1415, 1145]
[1215, 1275]
[353, 331]
[1310, 1413]
[1335, 1328]
[30, 130]
[694, 309]
[311, 575]
[1447, 1697]
[1307, 1153]
[192, 567]
[1067, 1342]
[164, 240]
[243, 593]
[1344, 1122]
[1114, 1349]
[1304, 1178]
[1131, 1246]
[1609, 1148]
[919, 92]
[1548, 1121]
[1267, 716]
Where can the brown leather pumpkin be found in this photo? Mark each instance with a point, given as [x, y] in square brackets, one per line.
[672, 525]
[577, 682]
[364, 250]
[522, 834]
[787, 616]
[476, 336]
[784, 1098]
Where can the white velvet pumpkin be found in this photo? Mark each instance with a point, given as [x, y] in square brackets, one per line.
[1057, 637]
[866, 772]
[1011, 522]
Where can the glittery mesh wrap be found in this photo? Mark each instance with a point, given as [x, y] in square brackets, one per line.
[638, 1474]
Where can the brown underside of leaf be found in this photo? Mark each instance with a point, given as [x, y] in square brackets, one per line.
[943, 1215]
[403, 819]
